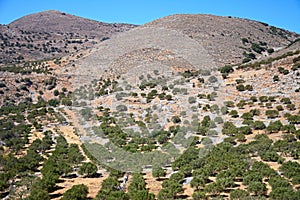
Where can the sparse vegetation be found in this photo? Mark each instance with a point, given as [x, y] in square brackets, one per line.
[237, 137]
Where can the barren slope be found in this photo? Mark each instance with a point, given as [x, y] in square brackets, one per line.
[55, 21]
[185, 41]
[52, 34]
[222, 36]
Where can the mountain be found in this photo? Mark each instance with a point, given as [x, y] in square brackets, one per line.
[55, 22]
[226, 38]
[188, 41]
[155, 99]
[52, 34]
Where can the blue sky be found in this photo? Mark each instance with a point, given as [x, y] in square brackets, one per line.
[280, 13]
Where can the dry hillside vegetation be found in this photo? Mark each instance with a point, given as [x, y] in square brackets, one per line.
[151, 113]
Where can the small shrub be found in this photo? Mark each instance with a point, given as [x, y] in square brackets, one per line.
[296, 66]
[286, 100]
[275, 78]
[121, 108]
[263, 98]
[240, 87]
[234, 113]
[271, 50]
[176, 119]
[296, 59]
[245, 40]
[245, 60]
[249, 87]
[192, 100]
[279, 108]
[212, 79]
[272, 113]
[226, 69]
[257, 48]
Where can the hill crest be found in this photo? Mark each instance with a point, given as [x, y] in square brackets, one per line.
[56, 21]
[52, 34]
[226, 38]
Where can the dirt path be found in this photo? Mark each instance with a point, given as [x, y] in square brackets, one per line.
[69, 131]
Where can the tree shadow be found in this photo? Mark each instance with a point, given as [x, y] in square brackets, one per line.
[161, 178]
[183, 196]
[60, 181]
[54, 196]
[70, 176]
[97, 175]
[4, 194]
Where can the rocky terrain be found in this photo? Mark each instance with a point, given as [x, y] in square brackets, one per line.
[52, 34]
[202, 41]
[226, 38]
[154, 112]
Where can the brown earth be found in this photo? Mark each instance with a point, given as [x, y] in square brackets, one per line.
[52, 34]
[93, 184]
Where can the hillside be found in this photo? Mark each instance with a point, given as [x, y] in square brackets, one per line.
[54, 22]
[187, 41]
[227, 38]
[52, 34]
[153, 113]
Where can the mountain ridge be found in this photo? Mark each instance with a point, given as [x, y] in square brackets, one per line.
[154, 105]
[56, 21]
[228, 32]
[192, 41]
[52, 34]
[228, 40]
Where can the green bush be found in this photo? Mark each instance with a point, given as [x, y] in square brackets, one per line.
[192, 100]
[158, 172]
[275, 78]
[121, 108]
[296, 66]
[271, 50]
[296, 59]
[294, 119]
[176, 119]
[233, 113]
[240, 87]
[226, 69]
[212, 79]
[245, 60]
[88, 169]
[274, 127]
[257, 48]
[272, 113]
[286, 100]
[258, 125]
[269, 156]
[77, 192]
[245, 40]
[238, 194]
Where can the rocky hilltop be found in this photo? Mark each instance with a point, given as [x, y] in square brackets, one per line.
[226, 38]
[55, 21]
[52, 34]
